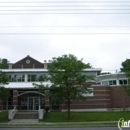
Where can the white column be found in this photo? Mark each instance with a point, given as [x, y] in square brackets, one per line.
[117, 82]
[26, 78]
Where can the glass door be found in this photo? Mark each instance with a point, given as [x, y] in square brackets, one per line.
[36, 103]
[31, 103]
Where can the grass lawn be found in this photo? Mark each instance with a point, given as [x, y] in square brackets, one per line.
[3, 116]
[85, 116]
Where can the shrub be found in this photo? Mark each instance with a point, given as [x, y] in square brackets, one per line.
[47, 109]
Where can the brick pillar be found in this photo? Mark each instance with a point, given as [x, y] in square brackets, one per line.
[47, 101]
[0, 104]
[15, 98]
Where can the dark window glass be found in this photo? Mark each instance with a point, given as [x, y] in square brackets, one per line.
[112, 82]
[121, 82]
[125, 81]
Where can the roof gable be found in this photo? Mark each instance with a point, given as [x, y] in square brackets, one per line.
[27, 62]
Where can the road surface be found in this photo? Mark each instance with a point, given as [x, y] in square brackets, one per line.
[79, 128]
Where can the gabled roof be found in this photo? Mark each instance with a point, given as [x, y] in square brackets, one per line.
[27, 62]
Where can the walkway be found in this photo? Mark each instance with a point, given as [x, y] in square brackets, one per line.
[24, 121]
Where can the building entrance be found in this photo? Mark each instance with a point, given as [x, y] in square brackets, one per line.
[31, 102]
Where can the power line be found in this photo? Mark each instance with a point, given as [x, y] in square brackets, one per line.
[68, 6]
[62, 9]
[68, 26]
[56, 13]
[63, 33]
[69, 2]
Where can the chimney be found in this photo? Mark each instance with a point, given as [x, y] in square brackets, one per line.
[10, 66]
[45, 65]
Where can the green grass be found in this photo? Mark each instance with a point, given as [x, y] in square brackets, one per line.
[3, 116]
[85, 116]
[78, 124]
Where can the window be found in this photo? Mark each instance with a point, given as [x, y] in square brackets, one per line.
[89, 93]
[16, 78]
[55, 102]
[123, 82]
[9, 76]
[105, 83]
[112, 82]
[31, 78]
[20, 78]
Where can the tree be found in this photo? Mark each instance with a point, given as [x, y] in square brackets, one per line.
[68, 81]
[4, 64]
[4, 92]
[126, 69]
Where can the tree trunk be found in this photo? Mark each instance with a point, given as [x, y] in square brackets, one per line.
[68, 109]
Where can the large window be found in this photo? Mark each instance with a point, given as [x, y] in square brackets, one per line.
[112, 82]
[105, 83]
[21, 78]
[123, 82]
[55, 103]
[32, 78]
[16, 78]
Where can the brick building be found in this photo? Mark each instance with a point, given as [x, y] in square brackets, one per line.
[28, 98]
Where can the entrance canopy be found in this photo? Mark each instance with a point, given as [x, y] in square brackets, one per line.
[31, 92]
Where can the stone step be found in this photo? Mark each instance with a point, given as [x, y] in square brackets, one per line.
[26, 116]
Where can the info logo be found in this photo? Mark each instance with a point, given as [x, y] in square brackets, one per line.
[123, 124]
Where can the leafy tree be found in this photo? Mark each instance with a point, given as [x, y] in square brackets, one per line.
[4, 92]
[126, 69]
[68, 80]
[4, 64]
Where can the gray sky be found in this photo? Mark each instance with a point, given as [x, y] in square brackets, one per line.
[104, 49]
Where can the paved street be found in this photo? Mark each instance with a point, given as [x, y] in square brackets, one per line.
[80, 128]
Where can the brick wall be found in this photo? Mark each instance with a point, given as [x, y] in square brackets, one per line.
[119, 97]
[101, 99]
[104, 97]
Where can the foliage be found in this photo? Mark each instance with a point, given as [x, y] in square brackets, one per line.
[4, 92]
[67, 78]
[3, 78]
[4, 64]
[47, 109]
[125, 66]
[126, 69]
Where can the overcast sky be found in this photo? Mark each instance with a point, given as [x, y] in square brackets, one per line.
[104, 49]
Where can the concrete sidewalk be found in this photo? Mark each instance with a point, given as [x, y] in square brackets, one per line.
[23, 121]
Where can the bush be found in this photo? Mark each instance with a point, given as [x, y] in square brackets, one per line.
[47, 109]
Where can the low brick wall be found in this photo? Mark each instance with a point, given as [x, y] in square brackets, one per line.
[104, 97]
